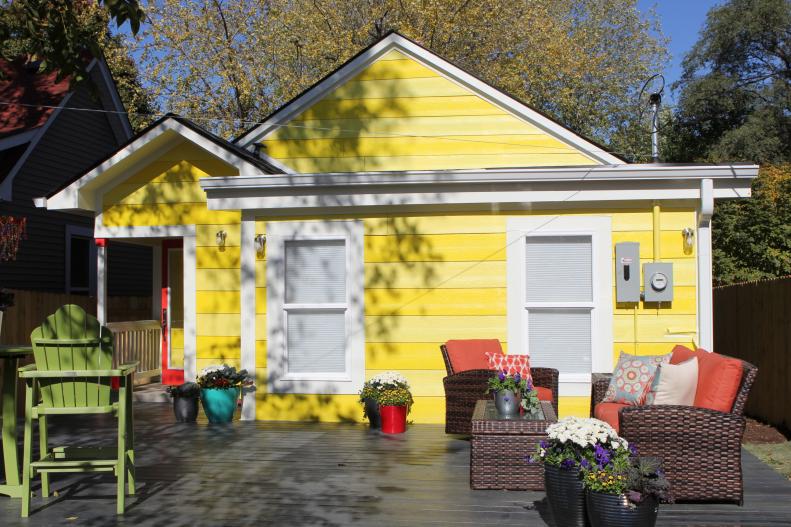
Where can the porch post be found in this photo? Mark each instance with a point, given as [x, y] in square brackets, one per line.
[705, 293]
[101, 280]
[190, 340]
[248, 335]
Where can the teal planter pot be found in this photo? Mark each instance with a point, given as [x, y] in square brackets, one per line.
[219, 404]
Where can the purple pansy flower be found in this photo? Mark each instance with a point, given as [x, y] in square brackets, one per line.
[602, 456]
[633, 449]
[502, 376]
[585, 464]
[567, 464]
[530, 385]
[517, 377]
[543, 444]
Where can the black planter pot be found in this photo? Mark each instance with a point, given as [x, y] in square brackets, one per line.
[615, 510]
[566, 496]
[372, 411]
[185, 409]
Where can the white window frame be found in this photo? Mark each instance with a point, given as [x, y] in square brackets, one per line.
[599, 228]
[74, 231]
[279, 379]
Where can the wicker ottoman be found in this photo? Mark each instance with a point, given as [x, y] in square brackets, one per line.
[500, 447]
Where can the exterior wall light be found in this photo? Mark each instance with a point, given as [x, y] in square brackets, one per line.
[689, 239]
[220, 238]
[259, 243]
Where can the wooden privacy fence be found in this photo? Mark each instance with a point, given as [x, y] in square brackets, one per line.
[138, 340]
[752, 321]
[32, 307]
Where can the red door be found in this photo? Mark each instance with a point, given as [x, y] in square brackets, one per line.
[172, 314]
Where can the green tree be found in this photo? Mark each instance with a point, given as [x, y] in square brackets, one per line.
[735, 105]
[83, 30]
[55, 33]
[581, 61]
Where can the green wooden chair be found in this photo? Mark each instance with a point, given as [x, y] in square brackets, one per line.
[71, 376]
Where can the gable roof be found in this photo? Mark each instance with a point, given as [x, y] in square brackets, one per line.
[77, 193]
[28, 97]
[396, 41]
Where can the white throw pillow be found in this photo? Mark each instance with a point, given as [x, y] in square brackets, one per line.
[675, 384]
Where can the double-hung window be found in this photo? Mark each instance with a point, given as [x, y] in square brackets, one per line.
[314, 307]
[560, 296]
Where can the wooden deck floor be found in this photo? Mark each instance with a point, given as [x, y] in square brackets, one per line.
[262, 473]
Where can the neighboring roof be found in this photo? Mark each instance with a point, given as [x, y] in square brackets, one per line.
[33, 96]
[153, 138]
[395, 40]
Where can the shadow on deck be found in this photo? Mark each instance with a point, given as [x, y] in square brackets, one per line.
[264, 473]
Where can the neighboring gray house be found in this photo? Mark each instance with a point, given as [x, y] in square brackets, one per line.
[43, 144]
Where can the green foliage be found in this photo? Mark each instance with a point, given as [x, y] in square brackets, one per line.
[61, 35]
[637, 477]
[530, 402]
[503, 381]
[395, 396]
[238, 61]
[188, 389]
[735, 105]
[223, 376]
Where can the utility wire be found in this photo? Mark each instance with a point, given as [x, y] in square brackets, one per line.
[556, 150]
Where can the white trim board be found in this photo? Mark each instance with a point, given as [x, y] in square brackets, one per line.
[248, 310]
[279, 380]
[82, 194]
[599, 228]
[394, 41]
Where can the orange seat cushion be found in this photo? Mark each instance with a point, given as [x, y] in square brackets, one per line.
[608, 412]
[544, 394]
[470, 354]
[719, 377]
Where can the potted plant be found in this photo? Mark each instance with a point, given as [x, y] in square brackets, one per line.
[394, 405]
[369, 398]
[369, 395]
[507, 390]
[574, 443]
[185, 401]
[626, 491]
[221, 387]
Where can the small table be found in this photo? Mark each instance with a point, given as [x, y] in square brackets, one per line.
[10, 356]
[501, 446]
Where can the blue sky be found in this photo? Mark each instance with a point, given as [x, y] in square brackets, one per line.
[681, 20]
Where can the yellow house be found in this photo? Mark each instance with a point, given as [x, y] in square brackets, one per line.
[398, 203]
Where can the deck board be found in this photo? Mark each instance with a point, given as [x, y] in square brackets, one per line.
[265, 473]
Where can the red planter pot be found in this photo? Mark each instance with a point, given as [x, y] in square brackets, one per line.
[393, 419]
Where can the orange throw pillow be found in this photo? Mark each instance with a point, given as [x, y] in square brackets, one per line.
[719, 377]
[471, 354]
[608, 412]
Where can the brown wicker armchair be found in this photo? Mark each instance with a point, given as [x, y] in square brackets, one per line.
[700, 448]
[464, 389]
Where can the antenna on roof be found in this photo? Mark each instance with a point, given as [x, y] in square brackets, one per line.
[656, 83]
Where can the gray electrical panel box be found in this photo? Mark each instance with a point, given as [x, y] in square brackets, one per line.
[658, 278]
[627, 272]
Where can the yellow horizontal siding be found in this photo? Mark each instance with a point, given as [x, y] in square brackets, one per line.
[218, 348]
[450, 275]
[386, 145]
[435, 302]
[202, 363]
[403, 356]
[428, 328]
[671, 243]
[685, 302]
[260, 300]
[217, 302]
[217, 257]
[206, 235]
[381, 89]
[218, 279]
[260, 353]
[653, 328]
[431, 248]
[470, 161]
[404, 68]
[445, 106]
[218, 324]
[165, 214]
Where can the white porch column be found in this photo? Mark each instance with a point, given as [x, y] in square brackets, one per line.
[248, 310]
[190, 339]
[705, 295]
[101, 280]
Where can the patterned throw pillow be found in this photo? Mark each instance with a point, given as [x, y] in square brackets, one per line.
[632, 378]
[511, 364]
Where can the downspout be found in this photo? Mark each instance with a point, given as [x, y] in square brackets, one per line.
[705, 293]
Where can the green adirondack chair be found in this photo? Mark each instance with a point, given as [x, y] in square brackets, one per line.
[71, 376]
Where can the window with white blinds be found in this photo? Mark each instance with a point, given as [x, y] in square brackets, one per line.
[315, 306]
[559, 301]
